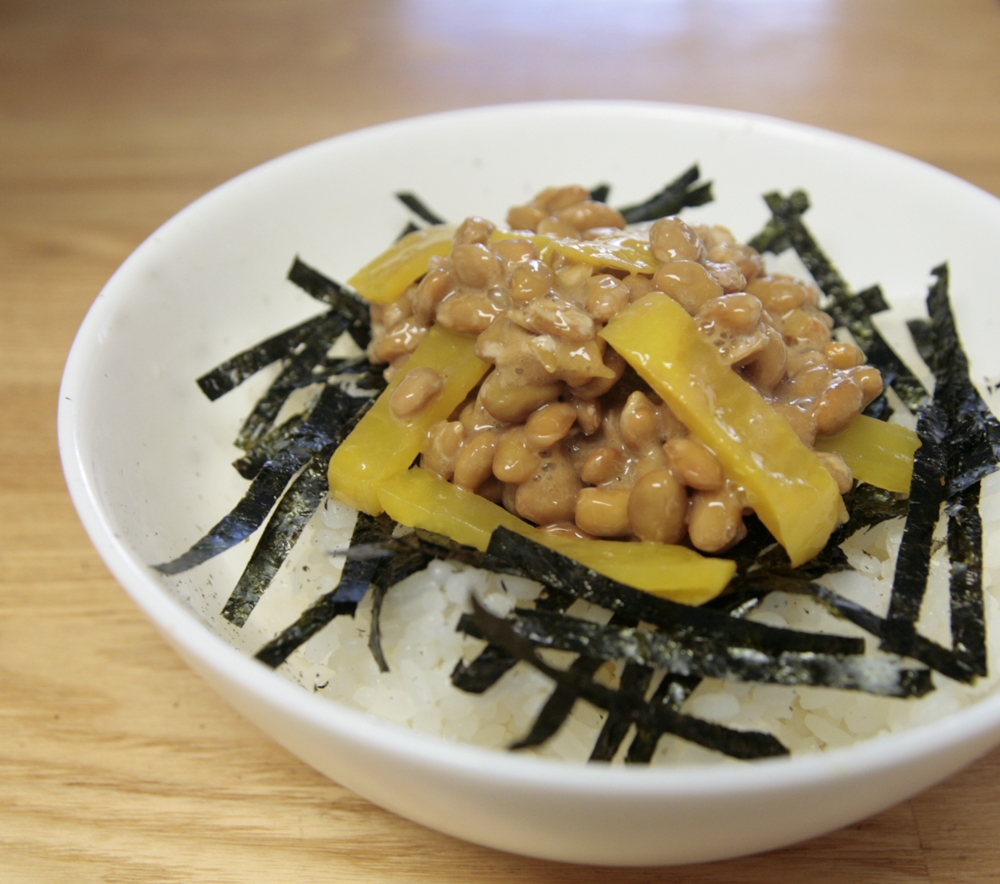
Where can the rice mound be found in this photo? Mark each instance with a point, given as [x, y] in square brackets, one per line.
[422, 647]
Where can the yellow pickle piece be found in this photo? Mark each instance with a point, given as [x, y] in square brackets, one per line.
[787, 486]
[383, 279]
[877, 452]
[420, 499]
[383, 444]
[620, 250]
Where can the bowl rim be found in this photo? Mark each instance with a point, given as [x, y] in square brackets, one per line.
[183, 629]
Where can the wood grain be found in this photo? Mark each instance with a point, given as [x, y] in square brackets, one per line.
[117, 764]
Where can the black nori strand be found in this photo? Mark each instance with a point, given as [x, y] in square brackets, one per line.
[672, 691]
[231, 373]
[737, 744]
[388, 573]
[283, 529]
[332, 417]
[965, 550]
[683, 192]
[355, 579]
[786, 230]
[705, 655]
[484, 671]
[514, 553]
[416, 205]
[635, 681]
[343, 300]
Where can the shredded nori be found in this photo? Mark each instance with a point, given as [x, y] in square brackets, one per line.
[853, 311]
[682, 192]
[355, 581]
[342, 299]
[513, 553]
[333, 416]
[738, 744]
[635, 681]
[294, 510]
[707, 656]
[416, 205]
[960, 444]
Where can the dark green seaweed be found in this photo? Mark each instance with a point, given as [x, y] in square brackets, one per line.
[514, 553]
[706, 656]
[480, 674]
[332, 418]
[559, 705]
[343, 300]
[283, 529]
[233, 372]
[355, 580]
[672, 691]
[965, 550]
[682, 192]
[416, 205]
[268, 447]
[388, 573]
[737, 744]
[600, 193]
[635, 681]
[973, 431]
[786, 230]
[961, 445]
[926, 497]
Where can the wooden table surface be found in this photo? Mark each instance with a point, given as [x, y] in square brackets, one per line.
[116, 762]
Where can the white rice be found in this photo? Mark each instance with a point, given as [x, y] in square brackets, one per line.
[422, 646]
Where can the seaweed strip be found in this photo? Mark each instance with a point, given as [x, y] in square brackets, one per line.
[559, 704]
[635, 681]
[514, 553]
[494, 662]
[672, 691]
[906, 641]
[484, 671]
[331, 419]
[261, 418]
[349, 373]
[342, 299]
[961, 444]
[926, 497]
[600, 193]
[231, 373]
[678, 194]
[737, 744]
[704, 655]
[407, 230]
[283, 529]
[355, 579]
[786, 230]
[965, 550]
[388, 573]
[973, 430]
[268, 447]
[416, 205]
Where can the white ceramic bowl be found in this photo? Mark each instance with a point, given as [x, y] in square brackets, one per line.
[146, 456]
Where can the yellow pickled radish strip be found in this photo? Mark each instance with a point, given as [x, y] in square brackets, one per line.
[621, 251]
[383, 444]
[385, 278]
[788, 488]
[421, 500]
[877, 452]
